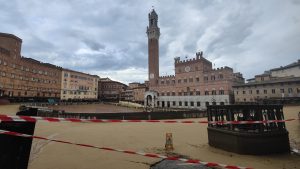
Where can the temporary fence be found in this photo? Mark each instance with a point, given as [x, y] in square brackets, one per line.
[77, 120]
[7, 118]
[150, 155]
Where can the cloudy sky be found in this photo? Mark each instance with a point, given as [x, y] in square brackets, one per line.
[108, 38]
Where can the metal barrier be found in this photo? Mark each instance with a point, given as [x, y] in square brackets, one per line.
[15, 151]
[262, 138]
[125, 116]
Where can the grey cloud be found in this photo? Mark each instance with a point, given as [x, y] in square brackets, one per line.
[237, 30]
[229, 32]
[37, 44]
[296, 2]
[11, 16]
[94, 45]
[113, 60]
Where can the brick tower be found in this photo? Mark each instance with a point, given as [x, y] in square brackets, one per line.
[153, 48]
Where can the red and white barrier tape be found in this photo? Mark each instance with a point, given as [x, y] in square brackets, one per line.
[51, 119]
[209, 164]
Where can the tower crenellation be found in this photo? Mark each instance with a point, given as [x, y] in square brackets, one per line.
[199, 58]
[153, 30]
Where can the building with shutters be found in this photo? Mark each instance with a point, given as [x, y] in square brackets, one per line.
[24, 78]
[278, 84]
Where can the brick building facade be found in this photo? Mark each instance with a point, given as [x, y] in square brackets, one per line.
[139, 93]
[195, 83]
[137, 90]
[153, 33]
[28, 79]
[110, 90]
[24, 78]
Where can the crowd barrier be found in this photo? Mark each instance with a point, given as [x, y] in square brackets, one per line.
[94, 120]
[144, 117]
[151, 155]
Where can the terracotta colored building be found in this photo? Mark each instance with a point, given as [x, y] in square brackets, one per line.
[78, 85]
[25, 78]
[127, 95]
[195, 83]
[135, 92]
[139, 93]
[110, 90]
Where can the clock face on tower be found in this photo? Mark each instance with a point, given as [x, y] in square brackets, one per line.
[187, 69]
[151, 75]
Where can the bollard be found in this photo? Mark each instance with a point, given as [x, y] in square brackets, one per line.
[169, 142]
